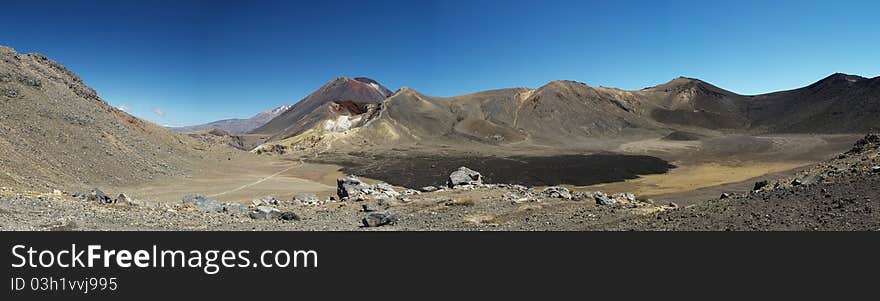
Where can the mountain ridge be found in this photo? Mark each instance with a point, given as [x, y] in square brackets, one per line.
[237, 126]
[563, 111]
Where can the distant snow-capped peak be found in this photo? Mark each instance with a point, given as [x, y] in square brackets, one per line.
[280, 109]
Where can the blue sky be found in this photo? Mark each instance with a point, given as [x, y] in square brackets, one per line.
[189, 62]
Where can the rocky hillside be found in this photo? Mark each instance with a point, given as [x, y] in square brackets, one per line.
[57, 132]
[840, 194]
[236, 126]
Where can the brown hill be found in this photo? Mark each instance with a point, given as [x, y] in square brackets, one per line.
[562, 113]
[57, 132]
[313, 109]
[692, 102]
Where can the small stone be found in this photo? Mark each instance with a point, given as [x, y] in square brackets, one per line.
[265, 212]
[378, 219]
[306, 199]
[428, 189]
[368, 208]
[384, 202]
[724, 196]
[10, 92]
[875, 169]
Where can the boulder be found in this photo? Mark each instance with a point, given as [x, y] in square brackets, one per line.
[290, 216]
[812, 179]
[378, 219]
[557, 192]
[368, 208]
[203, 203]
[760, 184]
[265, 212]
[123, 199]
[96, 195]
[350, 187]
[581, 196]
[465, 176]
[602, 199]
[724, 196]
[875, 169]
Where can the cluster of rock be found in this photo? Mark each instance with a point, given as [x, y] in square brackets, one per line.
[601, 198]
[264, 209]
[352, 188]
[98, 196]
[381, 196]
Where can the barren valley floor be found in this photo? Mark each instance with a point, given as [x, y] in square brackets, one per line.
[703, 170]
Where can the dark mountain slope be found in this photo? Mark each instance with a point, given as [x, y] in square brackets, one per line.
[839, 103]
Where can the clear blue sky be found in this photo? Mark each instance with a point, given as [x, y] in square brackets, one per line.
[201, 61]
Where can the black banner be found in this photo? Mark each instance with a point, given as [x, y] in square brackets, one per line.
[420, 265]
